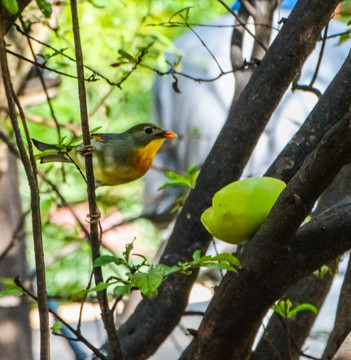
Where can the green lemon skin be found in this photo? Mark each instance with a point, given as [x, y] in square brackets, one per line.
[240, 208]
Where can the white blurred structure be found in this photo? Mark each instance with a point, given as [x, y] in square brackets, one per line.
[199, 112]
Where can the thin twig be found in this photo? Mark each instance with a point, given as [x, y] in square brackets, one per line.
[15, 236]
[206, 47]
[41, 77]
[307, 88]
[65, 203]
[183, 24]
[117, 300]
[242, 24]
[197, 79]
[83, 302]
[42, 66]
[193, 313]
[324, 40]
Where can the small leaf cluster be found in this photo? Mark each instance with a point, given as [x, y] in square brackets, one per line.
[286, 309]
[12, 7]
[147, 278]
[63, 145]
[11, 289]
[56, 327]
[176, 179]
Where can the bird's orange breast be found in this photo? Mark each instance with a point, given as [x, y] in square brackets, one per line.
[143, 157]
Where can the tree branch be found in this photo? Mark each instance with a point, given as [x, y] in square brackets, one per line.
[342, 324]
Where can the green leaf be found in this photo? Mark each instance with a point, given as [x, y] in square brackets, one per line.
[197, 256]
[218, 266]
[56, 327]
[303, 307]
[125, 55]
[79, 295]
[78, 139]
[281, 308]
[176, 179]
[11, 288]
[45, 7]
[344, 37]
[180, 12]
[286, 310]
[166, 270]
[324, 271]
[148, 283]
[193, 173]
[230, 258]
[104, 260]
[101, 286]
[178, 61]
[108, 259]
[11, 291]
[45, 153]
[224, 261]
[11, 6]
[204, 259]
[122, 289]
[129, 248]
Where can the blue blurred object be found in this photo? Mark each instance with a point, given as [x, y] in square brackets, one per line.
[79, 353]
[236, 5]
[286, 4]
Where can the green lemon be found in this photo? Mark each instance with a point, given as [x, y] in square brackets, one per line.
[240, 208]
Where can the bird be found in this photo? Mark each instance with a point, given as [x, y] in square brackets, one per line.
[118, 158]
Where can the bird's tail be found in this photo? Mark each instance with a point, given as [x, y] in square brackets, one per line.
[51, 153]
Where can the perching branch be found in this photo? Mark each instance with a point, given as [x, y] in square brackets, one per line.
[107, 316]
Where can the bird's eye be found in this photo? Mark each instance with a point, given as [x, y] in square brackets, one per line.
[148, 130]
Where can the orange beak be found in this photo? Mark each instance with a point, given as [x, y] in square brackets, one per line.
[169, 134]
